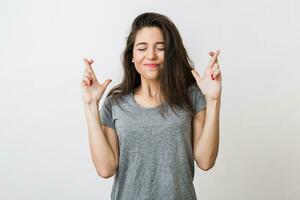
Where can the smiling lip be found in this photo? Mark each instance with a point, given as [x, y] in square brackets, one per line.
[152, 65]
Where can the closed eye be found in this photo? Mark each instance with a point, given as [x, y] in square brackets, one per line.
[160, 49]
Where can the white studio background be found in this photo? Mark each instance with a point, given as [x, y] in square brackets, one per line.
[44, 152]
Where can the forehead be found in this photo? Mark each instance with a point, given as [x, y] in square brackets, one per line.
[149, 35]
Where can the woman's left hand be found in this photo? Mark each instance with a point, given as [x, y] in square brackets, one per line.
[210, 83]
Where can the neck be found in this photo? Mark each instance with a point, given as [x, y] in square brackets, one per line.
[149, 89]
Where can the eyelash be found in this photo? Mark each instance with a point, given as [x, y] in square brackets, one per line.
[157, 48]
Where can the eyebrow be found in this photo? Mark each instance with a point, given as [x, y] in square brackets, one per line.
[145, 43]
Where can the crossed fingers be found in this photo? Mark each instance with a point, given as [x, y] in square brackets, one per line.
[89, 75]
[214, 65]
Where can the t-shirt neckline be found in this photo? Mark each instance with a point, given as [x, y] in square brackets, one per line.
[142, 107]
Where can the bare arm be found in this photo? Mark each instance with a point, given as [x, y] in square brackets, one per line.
[206, 124]
[103, 145]
[206, 135]
[103, 140]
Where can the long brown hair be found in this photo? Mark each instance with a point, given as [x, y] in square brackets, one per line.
[175, 77]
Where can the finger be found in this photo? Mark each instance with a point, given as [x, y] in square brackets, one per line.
[216, 73]
[214, 58]
[84, 82]
[89, 69]
[211, 54]
[106, 82]
[196, 75]
[86, 79]
[215, 66]
[89, 74]
[88, 66]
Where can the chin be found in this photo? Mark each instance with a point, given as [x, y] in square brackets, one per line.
[152, 77]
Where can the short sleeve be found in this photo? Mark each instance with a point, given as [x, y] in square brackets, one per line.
[106, 113]
[198, 99]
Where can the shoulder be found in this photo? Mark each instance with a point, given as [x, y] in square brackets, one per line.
[194, 90]
[192, 87]
[116, 101]
[197, 98]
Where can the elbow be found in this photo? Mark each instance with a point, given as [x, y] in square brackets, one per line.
[205, 163]
[105, 174]
[205, 166]
[107, 171]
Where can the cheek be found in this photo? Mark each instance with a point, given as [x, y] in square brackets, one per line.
[138, 59]
[139, 67]
[161, 56]
[138, 56]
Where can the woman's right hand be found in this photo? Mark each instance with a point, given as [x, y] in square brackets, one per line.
[92, 90]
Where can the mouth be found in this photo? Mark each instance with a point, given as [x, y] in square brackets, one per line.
[152, 65]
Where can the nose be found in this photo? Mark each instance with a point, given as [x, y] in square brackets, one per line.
[151, 54]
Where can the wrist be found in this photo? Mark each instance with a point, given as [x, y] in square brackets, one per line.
[92, 106]
[213, 102]
[208, 99]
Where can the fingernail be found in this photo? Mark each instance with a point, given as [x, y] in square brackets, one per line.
[212, 77]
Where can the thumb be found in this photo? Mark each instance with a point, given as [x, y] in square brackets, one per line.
[196, 75]
[106, 83]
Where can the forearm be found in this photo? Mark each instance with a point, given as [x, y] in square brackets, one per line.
[101, 151]
[208, 143]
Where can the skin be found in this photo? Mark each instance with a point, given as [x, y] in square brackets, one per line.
[103, 140]
[206, 122]
[148, 48]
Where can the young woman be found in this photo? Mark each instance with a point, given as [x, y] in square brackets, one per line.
[158, 120]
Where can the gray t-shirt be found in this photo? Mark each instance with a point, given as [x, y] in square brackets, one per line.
[156, 158]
